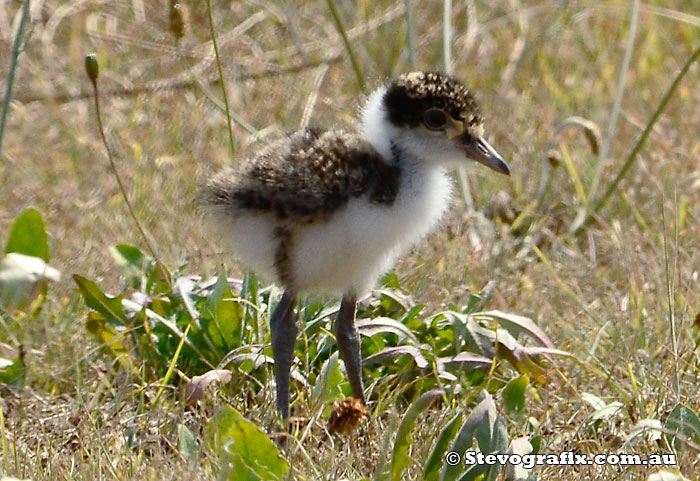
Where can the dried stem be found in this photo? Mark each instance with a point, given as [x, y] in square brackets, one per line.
[113, 166]
[221, 78]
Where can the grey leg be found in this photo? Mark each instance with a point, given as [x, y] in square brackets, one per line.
[283, 333]
[349, 344]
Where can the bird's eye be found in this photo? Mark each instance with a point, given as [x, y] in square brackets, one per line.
[434, 119]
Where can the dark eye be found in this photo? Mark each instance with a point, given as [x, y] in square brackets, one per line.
[434, 119]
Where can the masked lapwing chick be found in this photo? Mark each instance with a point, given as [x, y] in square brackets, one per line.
[329, 211]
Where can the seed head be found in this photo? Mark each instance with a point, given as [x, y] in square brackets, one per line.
[92, 68]
[178, 19]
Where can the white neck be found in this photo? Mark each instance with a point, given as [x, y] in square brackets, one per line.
[419, 149]
[376, 127]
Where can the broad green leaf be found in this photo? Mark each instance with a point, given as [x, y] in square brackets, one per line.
[407, 318]
[327, 387]
[111, 341]
[473, 303]
[683, 421]
[249, 292]
[509, 349]
[187, 443]
[383, 468]
[169, 325]
[225, 313]
[609, 411]
[23, 280]
[133, 262]
[514, 394]
[12, 372]
[391, 280]
[391, 353]
[431, 471]
[28, 236]
[536, 443]
[667, 475]
[386, 325]
[537, 352]
[126, 255]
[484, 413]
[518, 472]
[646, 429]
[464, 361]
[494, 439]
[478, 339]
[399, 457]
[240, 357]
[493, 435]
[592, 400]
[392, 300]
[109, 307]
[517, 325]
[244, 450]
[601, 409]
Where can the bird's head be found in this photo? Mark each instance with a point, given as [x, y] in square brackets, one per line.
[430, 116]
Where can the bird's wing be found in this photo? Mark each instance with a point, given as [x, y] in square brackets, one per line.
[307, 175]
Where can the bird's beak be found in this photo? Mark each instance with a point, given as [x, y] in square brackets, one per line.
[481, 151]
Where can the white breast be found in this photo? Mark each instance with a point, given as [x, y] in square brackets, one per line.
[349, 251]
[361, 241]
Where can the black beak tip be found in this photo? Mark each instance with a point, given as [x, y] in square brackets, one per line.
[504, 169]
[481, 151]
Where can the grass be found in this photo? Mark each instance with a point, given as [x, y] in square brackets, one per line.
[609, 296]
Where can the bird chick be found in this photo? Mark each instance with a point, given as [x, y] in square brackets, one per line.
[329, 211]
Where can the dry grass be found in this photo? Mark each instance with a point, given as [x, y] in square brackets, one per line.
[80, 418]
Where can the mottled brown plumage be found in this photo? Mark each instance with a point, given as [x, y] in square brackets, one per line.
[306, 177]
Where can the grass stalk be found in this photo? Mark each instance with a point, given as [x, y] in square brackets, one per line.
[212, 98]
[16, 46]
[171, 367]
[462, 177]
[410, 33]
[669, 294]
[617, 104]
[638, 146]
[311, 102]
[92, 71]
[447, 36]
[564, 287]
[212, 32]
[5, 445]
[348, 45]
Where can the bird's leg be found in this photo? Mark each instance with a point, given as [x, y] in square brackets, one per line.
[283, 332]
[349, 344]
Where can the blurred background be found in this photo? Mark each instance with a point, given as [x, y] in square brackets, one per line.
[567, 88]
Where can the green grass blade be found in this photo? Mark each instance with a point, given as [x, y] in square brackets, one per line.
[436, 460]
[212, 32]
[13, 68]
[638, 146]
[400, 458]
[573, 173]
[348, 45]
[171, 367]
